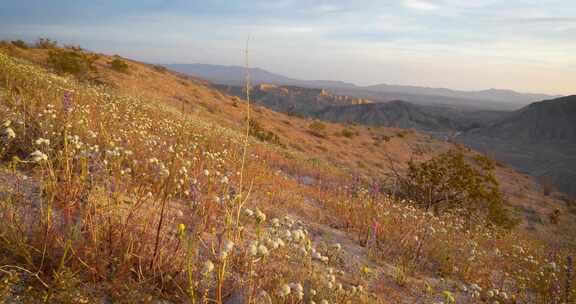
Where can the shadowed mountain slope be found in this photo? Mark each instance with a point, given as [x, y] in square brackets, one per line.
[539, 139]
[545, 121]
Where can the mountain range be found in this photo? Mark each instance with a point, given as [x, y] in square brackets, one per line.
[493, 99]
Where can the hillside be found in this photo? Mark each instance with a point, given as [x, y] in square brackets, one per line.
[397, 114]
[539, 139]
[127, 183]
[545, 121]
[534, 140]
[325, 105]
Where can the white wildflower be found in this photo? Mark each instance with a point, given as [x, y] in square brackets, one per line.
[208, 267]
[260, 216]
[38, 156]
[284, 290]
[9, 133]
[253, 248]
[262, 250]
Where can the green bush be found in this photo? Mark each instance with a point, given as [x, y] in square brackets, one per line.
[349, 133]
[262, 134]
[317, 128]
[450, 182]
[20, 43]
[70, 62]
[119, 65]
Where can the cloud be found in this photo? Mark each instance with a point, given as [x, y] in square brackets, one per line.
[420, 5]
[353, 40]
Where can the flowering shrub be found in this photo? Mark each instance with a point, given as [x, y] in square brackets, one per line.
[449, 182]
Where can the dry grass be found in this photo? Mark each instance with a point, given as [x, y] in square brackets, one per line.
[137, 198]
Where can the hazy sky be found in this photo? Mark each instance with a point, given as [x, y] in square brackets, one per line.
[526, 45]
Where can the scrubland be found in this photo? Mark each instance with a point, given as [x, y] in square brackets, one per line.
[117, 194]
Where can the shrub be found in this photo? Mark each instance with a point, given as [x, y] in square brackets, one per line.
[317, 128]
[20, 43]
[119, 65]
[349, 133]
[449, 182]
[46, 43]
[262, 134]
[159, 68]
[70, 62]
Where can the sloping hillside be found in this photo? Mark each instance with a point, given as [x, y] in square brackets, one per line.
[551, 121]
[397, 114]
[132, 184]
[539, 139]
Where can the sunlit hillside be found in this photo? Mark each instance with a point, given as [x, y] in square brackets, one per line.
[124, 182]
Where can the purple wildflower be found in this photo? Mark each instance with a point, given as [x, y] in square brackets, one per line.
[67, 102]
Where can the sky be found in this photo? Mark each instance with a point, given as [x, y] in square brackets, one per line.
[525, 45]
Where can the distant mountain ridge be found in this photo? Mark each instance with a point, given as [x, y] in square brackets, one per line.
[235, 75]
[489, 94]
[539, 139]
[493, 99]
[544, 121]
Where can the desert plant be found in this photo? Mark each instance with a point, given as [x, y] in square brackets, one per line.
[262, 134]
[349, 133]
[450, 182]
[70, 62]
[119, 65]
[317, 128]
[20, 43]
